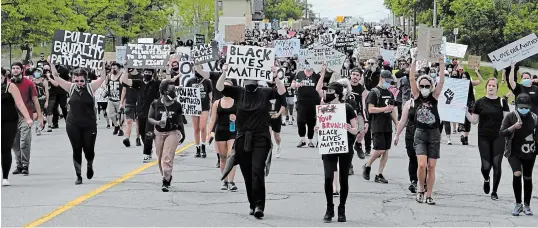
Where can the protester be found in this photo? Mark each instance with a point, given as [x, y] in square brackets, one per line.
[307, 99]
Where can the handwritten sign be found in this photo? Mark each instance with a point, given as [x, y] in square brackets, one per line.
[199, 39]
[453, 100]
[474, 61]
[456, 50]
[250, 62]
[325, 39]
[186, 70]
[203, 53]
[78, 49]
[402, 51]
[369, 52]
[147, 55]
[234, 33]
[287, 48]
[332, 132]
[435, 44]
[121, 52]
[190, 100]
[324, 54]
[514, 52]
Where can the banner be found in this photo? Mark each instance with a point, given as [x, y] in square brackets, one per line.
[332, 129]
[287, 48]
[456, 50]
[323, 54]
[121, 52]
[452, 104]
[147, 56]
[203, 53]
[190, 100]
[234, 33]
[474, 61]
[514, 52]
[78, 49]
[250, 62]
[199, 39]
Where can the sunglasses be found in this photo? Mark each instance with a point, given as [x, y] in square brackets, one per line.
[79, 81]
[425, 86]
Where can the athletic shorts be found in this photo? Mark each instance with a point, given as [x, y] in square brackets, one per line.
[276, 125]
[223, 134]
[428, 142]
[101, 106]
[382, 140]
[290, 101]
[113, 107]
[42, 105]
[130, 112]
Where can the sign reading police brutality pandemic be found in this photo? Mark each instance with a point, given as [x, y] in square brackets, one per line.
[323, 54]
[147, 55]
[514, 52]
[453, 100]
[190, 100]
[199, 38]
[287, 48]
[249, 62]
[332, 129]
[78, 49]
[203, 53]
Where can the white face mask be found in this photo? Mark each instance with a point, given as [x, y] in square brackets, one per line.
[346, 65]
[425, 92]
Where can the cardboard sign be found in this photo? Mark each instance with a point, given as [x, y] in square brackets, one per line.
[199, 39]
[203, 53]
[453, 100]
[78, 49]
[369, 53]
[514, 52]
[456, 50]
[121, 52]
[234, 33]
[474, 61]
[287, 48]
[110, 56]
[190, 100]
[430, 42]
[147, 56]
[328, 55]
[250, 62]
[326, 39]
[402, 51]
[332, 129]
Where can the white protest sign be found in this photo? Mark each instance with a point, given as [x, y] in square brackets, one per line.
[453, 100]
[456, 50]
[323, 54]
[325, 39]
[402, 51]
[514, 52]
[183, 53]
[212, 66]
[369, 52]
[435, 44]
[332, 129]
[145, 40]
[190, 100]
[287, 48]
[186, 70]
[250, 62]
[121, 52]
[303, 54]
[388, 55]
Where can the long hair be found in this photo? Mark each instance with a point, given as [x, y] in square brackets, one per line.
[347, 87]
[164, 86]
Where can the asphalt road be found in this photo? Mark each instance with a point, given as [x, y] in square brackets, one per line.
[123, 193]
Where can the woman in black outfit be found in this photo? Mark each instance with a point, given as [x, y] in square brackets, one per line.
[490, 110]
[11, 103]
[81, 121]
[407, 120]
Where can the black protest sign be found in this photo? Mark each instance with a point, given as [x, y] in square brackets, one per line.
[200, 39]
[78, 49]
[147, 56]
[250, 62]
[249, 34]
[203, 53]
[190, 100]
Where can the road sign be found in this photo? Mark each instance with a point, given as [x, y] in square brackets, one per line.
[456, 31]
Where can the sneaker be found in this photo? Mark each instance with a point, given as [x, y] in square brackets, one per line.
[420, 197]
[527, 210]
[89, 171]
[380, 179]
[116, 129]
[494, 196]
[224, 186]
[5, 182]
[78, 181]
[138, 143]
[107, 126]
[413, 187]
[430, 201]
[218, 164]
[301, 144]
[165, 188]
[49, 129]
[367, 152]
[17, 170]
[25, 171]
[366, 172]
[127, 142]
[311, 145]
[283, 123]
[486, 186]
[517, 209]
[351, 171]
[120, 133]
[147, 158]
[197, 155]
[360, 152]
[233, 188]
[449, 142]
[277, 151]
[290, 122]
[204, 155]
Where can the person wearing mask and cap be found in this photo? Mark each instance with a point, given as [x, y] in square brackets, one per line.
[382, 112]
[307, 99]
[114, 89]
[524, 87]
[42, 86]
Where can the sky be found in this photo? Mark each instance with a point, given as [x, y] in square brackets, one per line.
[370, 10]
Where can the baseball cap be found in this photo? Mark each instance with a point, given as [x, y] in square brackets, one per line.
[337, 87]
[523, 101]
[385, 63]
[386, 74]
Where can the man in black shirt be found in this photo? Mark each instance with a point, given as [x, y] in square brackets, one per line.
[128, 104]
[359, 93]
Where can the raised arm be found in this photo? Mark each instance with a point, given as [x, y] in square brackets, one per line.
[412, 80]
[511, 79]
[102, 78]
[479, 76]
[441, 81]
[58, 81]
[220, 83]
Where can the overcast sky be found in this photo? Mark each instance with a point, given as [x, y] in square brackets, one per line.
[370, 10]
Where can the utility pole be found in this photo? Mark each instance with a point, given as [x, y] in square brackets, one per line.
[415, 22]
[216, 24]
[434, 13]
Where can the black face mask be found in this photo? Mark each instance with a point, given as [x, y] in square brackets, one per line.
[251, 88]
[114, 72]
[175, 68]
[148, 77]
[16, 79]
[171, 94]
[329, 98]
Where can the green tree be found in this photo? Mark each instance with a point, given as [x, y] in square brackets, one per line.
[193, 12]
[282, 9]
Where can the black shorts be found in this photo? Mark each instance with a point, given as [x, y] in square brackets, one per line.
[101, 106]
[276, 125]
[130, 112]
[382, 140]
[205, 106]
[223, 135]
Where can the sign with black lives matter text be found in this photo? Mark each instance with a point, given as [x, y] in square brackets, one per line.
[152, 56]
[332, 129]
[203, 53]
[190, 100]
[249, 62]
[323, 54]
[78, 49]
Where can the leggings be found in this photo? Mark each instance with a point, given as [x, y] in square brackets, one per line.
[330, 162]
[9, 130]
[82, 138]
[143, 128]
[491, 154]
[368, 139]
[413, 162]
[306, 116]
[525, 166]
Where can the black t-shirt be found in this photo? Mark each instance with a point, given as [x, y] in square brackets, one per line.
[533, 93]
[523, 144]
[490, 114]
[205, 88]
[411, 126]
[131, 95]
[277, 103]
[470, 96]
[350, 114]
[380, 122]
[288, 78]
[252, 108]
[307, 92]
[147, 93]
[173, 115]
[357, 95]
[426, 113]
[371, 79]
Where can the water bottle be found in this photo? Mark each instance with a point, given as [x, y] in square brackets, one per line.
[232, 126]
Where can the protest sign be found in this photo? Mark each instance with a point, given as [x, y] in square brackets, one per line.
[332, 129]
[147, 55]
[78, 49]
[234, 33]
[402, 51]
[287, 48]
[280, 73]
[249, 34]
[190, 100]
[250, 62]
[199, 39]
[121, 52]
[456, 50]
[435, 44]
[344, 43]
[212, 66]
[145, 40]
[186, 70]
[301, 60]
[183, 53]
[323, 54]
[326, 39]
[203, 53]
[474, 61]
[110, 56]
[389, 56]
[369, 53]
[514, 52]
[453, 100]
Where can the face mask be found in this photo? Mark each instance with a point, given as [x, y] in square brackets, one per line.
[373, 68]
[346, 65]
[114, 72]
[449, 69]
[523, 111]
[526, 82]
[37, 75]
[385, 85]
[425, 92]
[329, 98]
[80, 87]
[251, 88]
[148, 77]
[171, 94]
[433, 75]
[175, 68]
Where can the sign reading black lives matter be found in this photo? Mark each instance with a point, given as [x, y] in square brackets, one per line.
[249, 62]
[332, 132]
[200, 39]
[203, 53]
[190, 100]
[78, 49]
[147, 56]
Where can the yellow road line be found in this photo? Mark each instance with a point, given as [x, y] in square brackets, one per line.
[97, 191]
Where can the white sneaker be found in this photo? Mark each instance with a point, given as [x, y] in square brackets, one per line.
[5, 182]
[277, 152]
[449, 142]
[147, 158]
